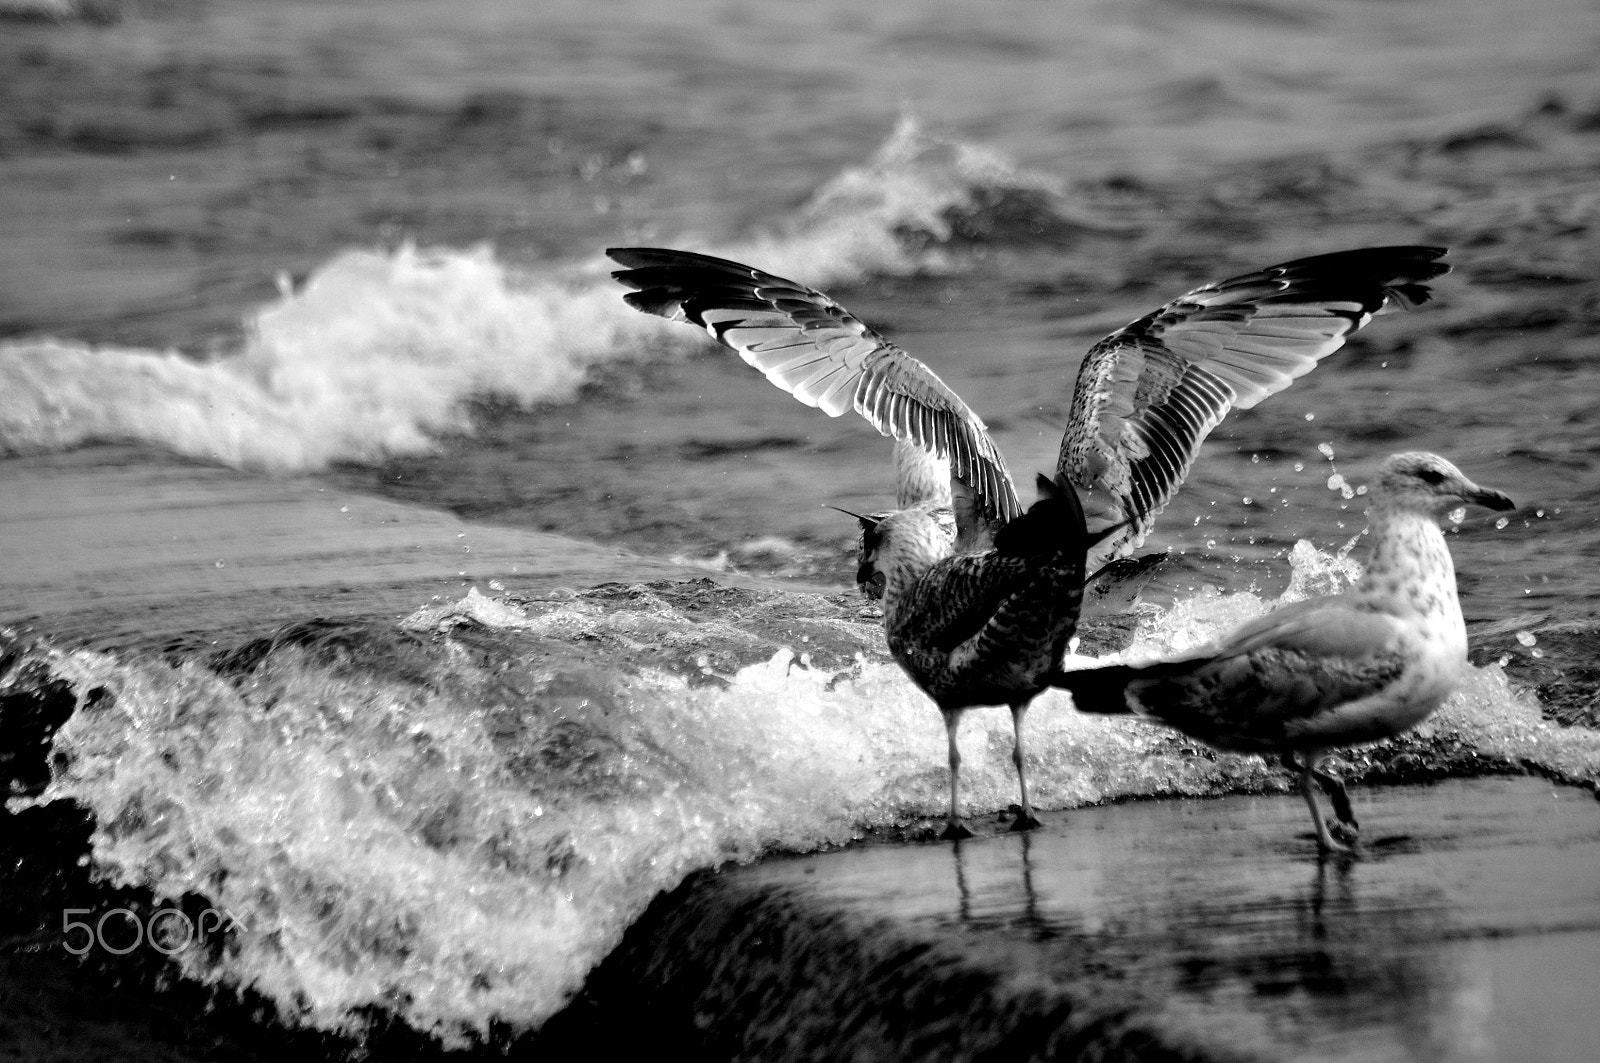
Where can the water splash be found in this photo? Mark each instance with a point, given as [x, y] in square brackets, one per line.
[456, 820]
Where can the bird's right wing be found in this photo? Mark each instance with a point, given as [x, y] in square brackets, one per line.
[820, 353]
[1148, 395]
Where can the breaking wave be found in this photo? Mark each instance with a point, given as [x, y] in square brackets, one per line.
[380, 353]
[454, 819]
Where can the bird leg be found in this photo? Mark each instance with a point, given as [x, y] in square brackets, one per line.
[1025, 820]
[1325, 837]
[954, 829]
[1334, 788]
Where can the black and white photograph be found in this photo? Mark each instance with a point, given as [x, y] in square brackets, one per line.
[926, 530]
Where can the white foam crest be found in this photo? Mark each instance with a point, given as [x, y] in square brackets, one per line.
[374, 356]
[893, 214]
[425, 848]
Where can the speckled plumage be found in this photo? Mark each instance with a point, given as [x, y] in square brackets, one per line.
[984, 628]
[1145, 397]
[1334, 671]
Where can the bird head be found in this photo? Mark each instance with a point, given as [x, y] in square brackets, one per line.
[907, 540]
[868, 579]
[1424, 482]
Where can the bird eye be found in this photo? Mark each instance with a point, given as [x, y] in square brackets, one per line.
[1431, 476]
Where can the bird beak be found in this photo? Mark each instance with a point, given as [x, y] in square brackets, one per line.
[867, 523]
[1483, 496]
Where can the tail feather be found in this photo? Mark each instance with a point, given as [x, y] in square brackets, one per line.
[1054, 523]
[1102, 691]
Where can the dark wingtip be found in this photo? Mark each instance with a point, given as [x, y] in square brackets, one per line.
[656, 301]
[634, 257]
[1399, 273]
[1409, 288]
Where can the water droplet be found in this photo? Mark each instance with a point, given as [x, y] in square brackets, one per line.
[1255, 459]
[1248, 500]
[344, 509]
[1457, 515]
[1526, 638]
[1538, 652]
[1211, 544]
[1502, 522]
[1326, 449]
[1538, 513]
[220, 563]
[1299, 466]
[1311, 417]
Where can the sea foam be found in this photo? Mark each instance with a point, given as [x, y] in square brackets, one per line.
[381, 352]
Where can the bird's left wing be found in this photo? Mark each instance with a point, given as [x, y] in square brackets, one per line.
[820, 353]
[1288, 673]
[1147, 395]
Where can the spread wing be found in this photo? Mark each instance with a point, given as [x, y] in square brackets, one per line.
[1147, 395]
[817, 351]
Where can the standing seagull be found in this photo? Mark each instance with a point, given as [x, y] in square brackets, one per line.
[1146, 396]
[983, 628]
[1342, 670]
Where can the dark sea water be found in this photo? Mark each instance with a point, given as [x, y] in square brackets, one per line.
[322, 420]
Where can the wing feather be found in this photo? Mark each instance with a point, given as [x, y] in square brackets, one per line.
[820, 353]
[1149, 394]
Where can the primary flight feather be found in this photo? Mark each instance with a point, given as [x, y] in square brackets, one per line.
[1145, 398]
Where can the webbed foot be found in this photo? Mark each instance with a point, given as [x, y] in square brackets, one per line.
[954, 831]
[1026, 820]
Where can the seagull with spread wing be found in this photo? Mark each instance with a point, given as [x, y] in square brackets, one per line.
[983, 617]
[1145, 399]
[1341, 670]
[987, 627]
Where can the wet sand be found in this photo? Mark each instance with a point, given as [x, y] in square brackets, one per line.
[1468, 929]
[93, 543]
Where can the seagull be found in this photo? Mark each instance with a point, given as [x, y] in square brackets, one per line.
[985, 628]
[1345, 669]
[1146, 396]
